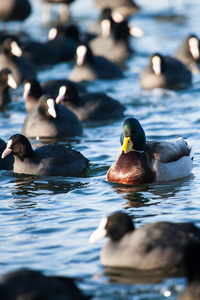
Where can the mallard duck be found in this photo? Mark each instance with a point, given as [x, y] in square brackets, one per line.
[159, 245]
[142, 162]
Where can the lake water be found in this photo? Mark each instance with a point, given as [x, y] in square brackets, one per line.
[46, 222]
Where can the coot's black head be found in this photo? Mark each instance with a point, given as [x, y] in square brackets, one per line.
[157, 64]
[121, 30]
[118, 224]
[6, 79]
[193, 44]
[47, 107]
[60, 31]
[68, 93]
[32, 88]
[19, 146]
[114, 226]
[11, 46]
[106, 14]
[84, 55]
[72, 32]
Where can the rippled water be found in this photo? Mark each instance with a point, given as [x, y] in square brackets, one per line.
[46, 222]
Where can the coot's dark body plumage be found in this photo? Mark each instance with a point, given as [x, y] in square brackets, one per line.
[14, 10]
[41, 54]
[52, 86]
[192, 268]
[115, 46]
[41, 123]
[159, 245]
[189, 51]
[48, 160]
[90, 67]
[166, 72]
[20, 67]
[65, 47]
[90, 106]
[6, 81]
[71, 31]
[32, 285]
[33, 90]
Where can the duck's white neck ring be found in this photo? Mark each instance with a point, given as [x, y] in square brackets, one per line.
[138, 151]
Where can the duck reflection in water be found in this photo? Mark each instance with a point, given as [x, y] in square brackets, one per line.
[139, 195]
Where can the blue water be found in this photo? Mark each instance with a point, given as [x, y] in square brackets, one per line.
[46, 222]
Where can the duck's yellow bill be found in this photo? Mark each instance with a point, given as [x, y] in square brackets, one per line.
[127, 145]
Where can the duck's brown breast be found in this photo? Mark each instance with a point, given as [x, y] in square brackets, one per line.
[131, 168]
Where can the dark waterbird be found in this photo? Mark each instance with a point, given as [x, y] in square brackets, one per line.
[113, 43]
[165, 72]
[158, 245]
[90, 67]
[33, 90]
[14, 10]
[6, 81]
[89, 106]
[48, 160]
[10, 57]
[192, 267]
[51, 120]
[189, 52]
[32, 285]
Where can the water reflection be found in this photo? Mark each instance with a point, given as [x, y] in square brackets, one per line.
[141, 195]
[130, 276]
[27, 186]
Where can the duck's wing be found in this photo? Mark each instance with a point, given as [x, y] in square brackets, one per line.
[170, 160]
[168, 151]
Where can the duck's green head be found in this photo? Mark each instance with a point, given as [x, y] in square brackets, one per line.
[133, 136]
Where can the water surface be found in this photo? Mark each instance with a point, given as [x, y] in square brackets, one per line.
[46, 222]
